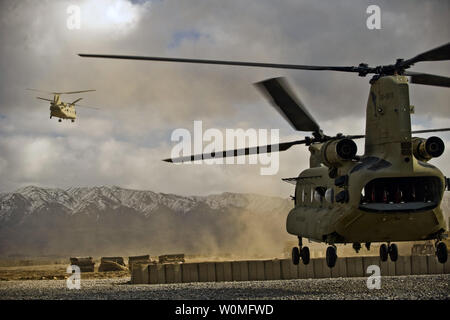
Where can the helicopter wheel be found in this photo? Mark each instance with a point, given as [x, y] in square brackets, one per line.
[441, 252]
[304, 253]
[295, 256]
[59, 120]
[331, 256]
[73, 120]
[383, 252]
[393, 252]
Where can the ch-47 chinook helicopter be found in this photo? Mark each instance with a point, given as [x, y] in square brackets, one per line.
[60, 109]
[390, 193]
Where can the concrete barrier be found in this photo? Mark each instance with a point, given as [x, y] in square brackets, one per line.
[276, 269]
[207, 272]
[140, 273]
[189, 272]
[447, 266]
[288, 269]
[387, 268]
[156, 273]
[434, 266]
[309, 269]
[255, 270]
[173, 273]
[321, 270]
[281, 269]
[403, 266]
[239, 270]
[272, 270]
[138, 259]
[340, 269]
[419, 265]
[355, 267]
[223, 271]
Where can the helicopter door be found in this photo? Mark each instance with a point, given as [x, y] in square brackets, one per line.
[401, 194]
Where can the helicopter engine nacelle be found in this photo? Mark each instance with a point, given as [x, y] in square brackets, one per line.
[426, 149]
[335, 152]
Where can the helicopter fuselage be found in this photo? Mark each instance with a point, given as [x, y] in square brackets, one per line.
[388, 194]
[63, 111]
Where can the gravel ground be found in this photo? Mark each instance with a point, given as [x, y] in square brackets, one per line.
[399, 287]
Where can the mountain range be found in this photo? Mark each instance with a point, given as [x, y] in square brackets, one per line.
[94, 221]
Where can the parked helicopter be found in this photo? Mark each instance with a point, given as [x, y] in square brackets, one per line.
[60, 109]
[388, 194]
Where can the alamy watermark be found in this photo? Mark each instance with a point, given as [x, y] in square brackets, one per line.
[374, 280]
[374, 19]
[74, 281]
[216, 142]
[74, 19]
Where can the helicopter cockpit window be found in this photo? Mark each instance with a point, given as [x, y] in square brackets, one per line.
[401, 194]
[329, 195]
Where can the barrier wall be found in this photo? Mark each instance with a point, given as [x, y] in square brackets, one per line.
[282, 269]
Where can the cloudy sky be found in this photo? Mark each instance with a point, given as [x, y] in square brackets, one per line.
[143, 102]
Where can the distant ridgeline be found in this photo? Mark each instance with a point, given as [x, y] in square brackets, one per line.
[115, 221]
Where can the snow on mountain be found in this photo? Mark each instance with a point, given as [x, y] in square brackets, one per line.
[35, 220]
[85, 200]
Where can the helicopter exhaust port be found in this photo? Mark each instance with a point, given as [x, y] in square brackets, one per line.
[426, 149]
[407, 194]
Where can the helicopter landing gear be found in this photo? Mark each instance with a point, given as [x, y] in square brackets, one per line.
[383, 252]
[73, 120]
[390, 250]
[59, 120]
[441, 252]
[295, 256]
[50, 116]
[393, 252]
[331, 256]
[302, 253]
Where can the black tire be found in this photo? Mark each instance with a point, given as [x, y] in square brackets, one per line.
[393, 252]
[331, 256]
[305, 255]
[384, 252]
[295, 256]
[441, 252]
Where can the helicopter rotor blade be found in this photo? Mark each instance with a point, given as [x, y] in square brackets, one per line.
[431, 130]
[72, 92]
[238, 152]
[287, 104]
[42, 91]
[224, 62]
[76, 101]
[58, 93]
[428, 79]
[51, 100]
[440, 53]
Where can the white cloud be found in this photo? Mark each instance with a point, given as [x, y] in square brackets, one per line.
[142, 102]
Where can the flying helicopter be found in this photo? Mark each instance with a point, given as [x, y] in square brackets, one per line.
[60, 109]
[390, 193]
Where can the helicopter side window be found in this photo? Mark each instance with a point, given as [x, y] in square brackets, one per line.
[329, 195]
[305, 194]
[319, 194]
